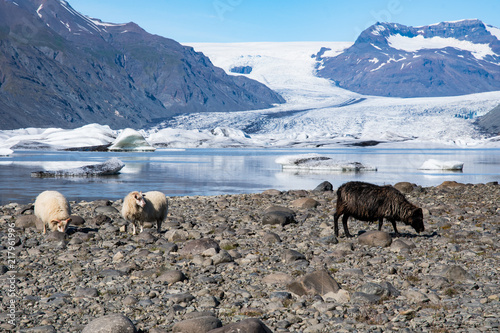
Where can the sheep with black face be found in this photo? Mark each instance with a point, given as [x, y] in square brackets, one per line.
[369, 202]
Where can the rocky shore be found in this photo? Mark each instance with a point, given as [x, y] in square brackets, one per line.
[266, 262]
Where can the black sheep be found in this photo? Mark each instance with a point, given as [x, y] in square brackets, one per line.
[369, 202]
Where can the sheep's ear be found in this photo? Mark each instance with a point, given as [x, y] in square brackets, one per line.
[68, 220]
[54, 222]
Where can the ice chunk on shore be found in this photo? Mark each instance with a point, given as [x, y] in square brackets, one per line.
[130, 140]
[319, 162]
[109, 167]
[442, 165]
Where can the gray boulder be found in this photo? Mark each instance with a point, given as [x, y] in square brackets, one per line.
[197, 325]
[316, 283]
[114, 323]
[278, 215]
[251, 325]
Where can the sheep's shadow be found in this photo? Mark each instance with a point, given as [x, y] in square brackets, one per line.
[404, 234]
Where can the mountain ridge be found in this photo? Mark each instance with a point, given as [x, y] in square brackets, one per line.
[61, 68]
[394, 60]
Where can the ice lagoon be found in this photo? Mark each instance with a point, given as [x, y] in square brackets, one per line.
[179, 172]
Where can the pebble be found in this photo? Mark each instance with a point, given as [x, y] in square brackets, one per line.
[262, 262]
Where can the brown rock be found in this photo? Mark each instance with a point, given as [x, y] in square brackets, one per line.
[375, 238]
[198, 246]
[197, 325]
[305, 203]
[404, 187]
[251, 325]
[316, 283]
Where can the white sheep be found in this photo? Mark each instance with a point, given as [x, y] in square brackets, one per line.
[52, 208]
[141, 207]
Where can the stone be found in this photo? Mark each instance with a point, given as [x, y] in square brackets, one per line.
[278, 278]
[316, 283]
[375, 238]
[171, 276]
[101, 219]
[360, 297]
[324, 187]
[457, 274]
[292, 255]
[77, 220]
[176, 235]
[40, 329]
[86, 292]
[404, 187]
[113, 323]
[398, 244]
[222, 257]
[197, 325]
[450, 184]
[415, 296]
[106, 210]
[56, 236]
[198, 246]
[305, 203]
[278, 215]
[26, 221]
[272, 192]
[251, 325]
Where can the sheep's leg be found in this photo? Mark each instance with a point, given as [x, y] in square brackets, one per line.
[393, 221]
[141, 228]
[380, 222]
[158, 225]
[339, 211]
[133, 228]
[44, 228]
[336, 224]
[344, 223]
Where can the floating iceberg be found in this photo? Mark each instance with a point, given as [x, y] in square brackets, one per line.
[5, 151]
[110, 167]
[89, 137]
[442, 165]
[321, 163]
[130, 140]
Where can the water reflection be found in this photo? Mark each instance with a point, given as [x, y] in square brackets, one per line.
[229, 171]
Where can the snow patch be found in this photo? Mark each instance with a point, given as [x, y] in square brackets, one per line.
[39, 9]
[493, 31]
[320, 163]
[414, 44]
[442, 165]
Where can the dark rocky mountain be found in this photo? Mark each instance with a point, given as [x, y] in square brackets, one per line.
[61, 68]
[490, 122]
[445, 59]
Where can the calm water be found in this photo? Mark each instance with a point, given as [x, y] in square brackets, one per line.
[229, 171]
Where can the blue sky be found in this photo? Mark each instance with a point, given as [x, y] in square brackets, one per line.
[280, 20]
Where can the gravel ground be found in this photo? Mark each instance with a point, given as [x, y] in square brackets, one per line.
[271, 256]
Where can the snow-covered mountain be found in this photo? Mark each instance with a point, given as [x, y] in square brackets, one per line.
[317, 113]
[445, 59]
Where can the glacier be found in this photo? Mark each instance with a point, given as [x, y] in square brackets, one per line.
[316, 113]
